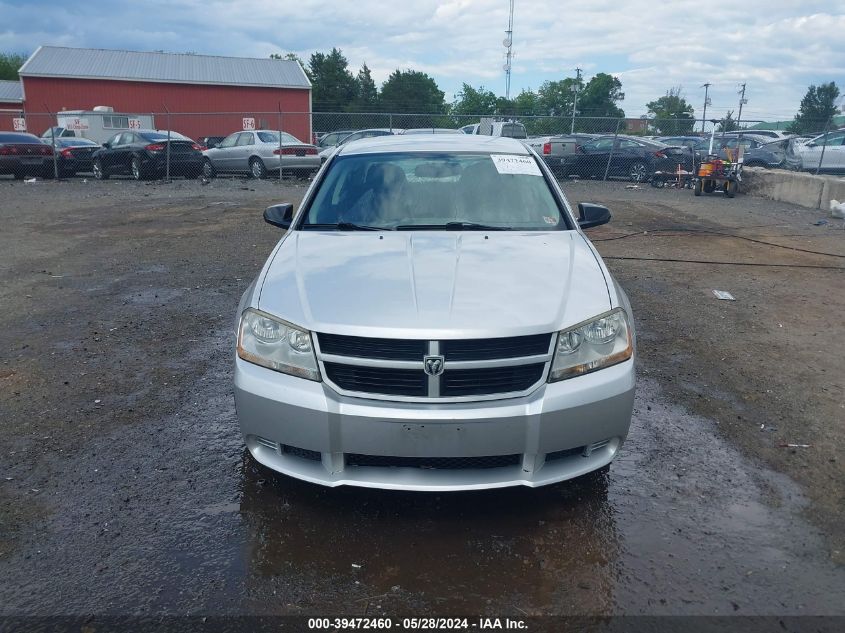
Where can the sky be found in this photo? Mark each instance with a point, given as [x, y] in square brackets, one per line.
[776, 47]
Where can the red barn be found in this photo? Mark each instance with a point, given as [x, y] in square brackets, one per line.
[11, 104]
[205, 95]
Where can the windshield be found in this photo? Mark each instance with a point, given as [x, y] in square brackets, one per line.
[429, 191]
[273, 137]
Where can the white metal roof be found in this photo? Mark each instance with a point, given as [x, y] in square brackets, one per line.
[11, 91]
[434, 143]
[91, 63]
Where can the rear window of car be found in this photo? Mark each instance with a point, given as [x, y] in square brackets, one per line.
[514, 130]
[19, 138]
[432, 191]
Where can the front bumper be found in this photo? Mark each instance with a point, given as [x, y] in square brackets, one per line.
[306, 430]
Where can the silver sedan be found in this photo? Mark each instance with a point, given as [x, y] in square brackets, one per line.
[260, 152]
[434, 318]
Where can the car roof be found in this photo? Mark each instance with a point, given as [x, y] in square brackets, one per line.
[434, 143]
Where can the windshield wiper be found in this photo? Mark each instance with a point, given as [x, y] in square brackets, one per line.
[346, 226]
[452, 226]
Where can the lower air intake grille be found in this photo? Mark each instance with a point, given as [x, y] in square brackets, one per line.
[444, 463]
[302, 453]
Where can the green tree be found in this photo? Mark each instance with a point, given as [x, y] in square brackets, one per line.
[366, 92]
[672, 113]
[472, 101]
[9, 64]
[728, 124]
[556, 98]
[333, 86]
[816, 109]
[527, 103]
[600, 96]
[411, 91]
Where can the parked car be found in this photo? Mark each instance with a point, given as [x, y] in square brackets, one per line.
[509, 129]
[559, 151]
[210, 142]
[23, 154]
[259, 153]
[755, 153]
[825, 152]
[74, 155]
[629, 156]
[356, 136]
[434, 318]
[143, 154]
[332, 139]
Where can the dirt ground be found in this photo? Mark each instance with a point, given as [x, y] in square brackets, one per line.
[125, 487]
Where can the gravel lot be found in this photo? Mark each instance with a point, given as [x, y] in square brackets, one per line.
[125, 488]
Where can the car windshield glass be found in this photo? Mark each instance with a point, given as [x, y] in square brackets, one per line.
[273, 137]
[429, 191]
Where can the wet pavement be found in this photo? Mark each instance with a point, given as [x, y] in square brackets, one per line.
[145, 501]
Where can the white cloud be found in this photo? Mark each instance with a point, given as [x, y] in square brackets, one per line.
[778, 47]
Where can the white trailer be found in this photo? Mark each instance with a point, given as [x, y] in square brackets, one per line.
[99, 124]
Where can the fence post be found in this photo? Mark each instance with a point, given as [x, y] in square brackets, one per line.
[824, 144]
[53, 138]
[167, 175]
[390, 121]
[612, 147]
[280, 142]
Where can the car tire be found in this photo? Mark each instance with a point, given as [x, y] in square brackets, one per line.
[100, 172]
[208, 169]
[638, 171]
[137, 172]
[257, 168]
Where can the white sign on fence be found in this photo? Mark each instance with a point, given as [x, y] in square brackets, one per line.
[73, 123]
[249, 123]
[19, 125]
[134, 124]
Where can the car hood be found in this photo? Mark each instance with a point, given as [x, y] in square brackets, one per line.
[429, 284]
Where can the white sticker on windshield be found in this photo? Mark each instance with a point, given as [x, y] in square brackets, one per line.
[514, 164]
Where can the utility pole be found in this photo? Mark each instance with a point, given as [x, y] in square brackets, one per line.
[508, 42]
[706, 103]
[742, 101]
[575, 89]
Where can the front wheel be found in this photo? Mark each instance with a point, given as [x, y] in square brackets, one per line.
[730, 189]
[257, 168]
[638, 171]
[698, 187]
[99, 172]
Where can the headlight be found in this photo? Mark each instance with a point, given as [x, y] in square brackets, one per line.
[276, 344]
[594, 344]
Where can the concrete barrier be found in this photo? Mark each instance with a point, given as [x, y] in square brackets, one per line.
[806, 190]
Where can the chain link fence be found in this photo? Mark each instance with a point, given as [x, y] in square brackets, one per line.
[270, 144]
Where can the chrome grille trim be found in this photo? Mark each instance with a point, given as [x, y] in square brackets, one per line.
[434, 383]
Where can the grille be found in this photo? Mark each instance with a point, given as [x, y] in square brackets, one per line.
[490, 348]
[379, 348]
[475, 382]
[569, 452]
[444, 463]
[388, 376]
[303, 453]
[382, 380]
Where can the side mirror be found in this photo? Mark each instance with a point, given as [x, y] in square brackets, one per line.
[107, 145]
[280, 215]
[590, 215]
